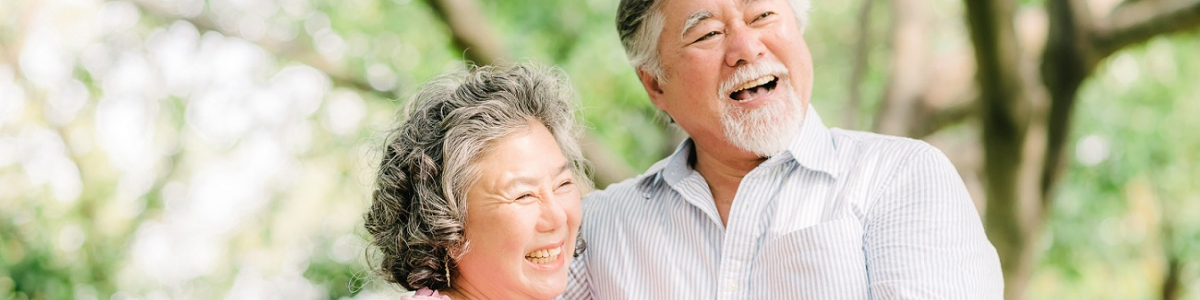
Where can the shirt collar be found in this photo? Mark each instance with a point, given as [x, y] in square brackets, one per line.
[813, 148]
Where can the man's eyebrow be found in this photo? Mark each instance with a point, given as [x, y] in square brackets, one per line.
[694, 19]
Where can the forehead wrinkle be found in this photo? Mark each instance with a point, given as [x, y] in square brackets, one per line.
[512, 179]
[694, 19]
[566, 167]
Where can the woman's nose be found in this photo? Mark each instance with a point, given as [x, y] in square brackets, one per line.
[552, 216]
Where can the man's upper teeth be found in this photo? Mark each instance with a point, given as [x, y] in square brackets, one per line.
[756, 82]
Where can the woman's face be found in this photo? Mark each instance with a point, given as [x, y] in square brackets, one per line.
[522, 219]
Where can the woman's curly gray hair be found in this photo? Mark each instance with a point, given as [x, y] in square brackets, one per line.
[419, 205]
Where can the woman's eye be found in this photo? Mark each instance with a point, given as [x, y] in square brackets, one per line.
[565, 184]
[706, 36]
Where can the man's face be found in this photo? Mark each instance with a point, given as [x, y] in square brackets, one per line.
[738, 73]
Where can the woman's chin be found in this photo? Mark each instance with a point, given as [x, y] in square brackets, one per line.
[547, 284]
[548, 289]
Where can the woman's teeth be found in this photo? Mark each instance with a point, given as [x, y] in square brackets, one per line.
[544, 256]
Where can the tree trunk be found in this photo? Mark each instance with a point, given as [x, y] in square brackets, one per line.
[909, 62]
[1024, 147]
[1066, 62]
[1172, 283]
[1005, 121]
[859, 67]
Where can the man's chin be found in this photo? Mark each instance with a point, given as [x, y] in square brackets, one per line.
[764, 131]
[763, 146]
[766, 140]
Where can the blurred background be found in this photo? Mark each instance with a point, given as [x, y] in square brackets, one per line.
[209, 149]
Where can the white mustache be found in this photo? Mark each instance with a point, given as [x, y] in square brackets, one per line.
[746, 73]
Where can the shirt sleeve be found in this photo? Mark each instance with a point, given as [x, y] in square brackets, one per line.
[578, 285]
[923, 236]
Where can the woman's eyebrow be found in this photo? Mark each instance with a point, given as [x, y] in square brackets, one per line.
[531, 179]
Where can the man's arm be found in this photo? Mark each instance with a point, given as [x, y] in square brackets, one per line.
[923, 237]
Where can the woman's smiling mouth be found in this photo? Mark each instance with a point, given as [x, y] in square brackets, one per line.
[544, 256]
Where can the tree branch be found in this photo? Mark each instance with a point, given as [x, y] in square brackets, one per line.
[286, 50]
[951, 101]
[1139, 21]
[470, 30]
[935, 118]
[480, 45]
[472, 34]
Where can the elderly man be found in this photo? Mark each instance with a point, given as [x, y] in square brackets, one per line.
[763, 201]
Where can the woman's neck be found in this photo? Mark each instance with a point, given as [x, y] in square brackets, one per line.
[463, 291]
[454, 294]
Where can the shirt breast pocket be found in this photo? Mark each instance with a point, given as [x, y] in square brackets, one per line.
[824, 261]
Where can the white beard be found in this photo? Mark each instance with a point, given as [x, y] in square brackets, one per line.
[768, 129]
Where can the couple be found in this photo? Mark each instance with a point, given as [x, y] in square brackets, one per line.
[479, 191]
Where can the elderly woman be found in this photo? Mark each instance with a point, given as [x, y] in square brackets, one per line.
[478, 192]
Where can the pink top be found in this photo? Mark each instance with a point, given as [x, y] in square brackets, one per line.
[425, 294]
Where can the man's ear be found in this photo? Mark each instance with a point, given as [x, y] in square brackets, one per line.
[651, 84]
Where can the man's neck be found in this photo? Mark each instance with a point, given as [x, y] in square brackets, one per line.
[723, 170]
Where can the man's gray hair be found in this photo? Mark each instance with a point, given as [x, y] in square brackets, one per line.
[419, 205]
[640, 22]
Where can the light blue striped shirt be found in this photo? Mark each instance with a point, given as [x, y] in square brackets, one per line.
[839, 215]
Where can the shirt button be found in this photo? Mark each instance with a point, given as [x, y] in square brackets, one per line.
[732, 286]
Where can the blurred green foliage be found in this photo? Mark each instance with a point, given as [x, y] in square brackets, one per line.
[1127, 203]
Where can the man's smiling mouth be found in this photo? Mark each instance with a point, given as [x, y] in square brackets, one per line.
[754, 88]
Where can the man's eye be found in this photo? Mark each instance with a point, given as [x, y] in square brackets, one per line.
[706, 36]
[523, 197]
[764, 15]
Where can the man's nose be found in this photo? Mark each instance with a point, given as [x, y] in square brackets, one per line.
[743, 46]
[552, 216]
